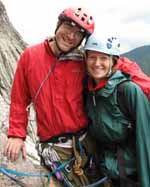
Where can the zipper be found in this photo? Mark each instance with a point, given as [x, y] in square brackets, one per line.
[52, 68]
[94, 99]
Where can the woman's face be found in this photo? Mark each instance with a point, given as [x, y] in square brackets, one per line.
[98, 65]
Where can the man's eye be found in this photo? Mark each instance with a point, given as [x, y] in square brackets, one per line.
[79, 34]
[67, 26]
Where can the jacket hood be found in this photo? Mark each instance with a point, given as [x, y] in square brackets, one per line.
[74, 55]
[112, 83]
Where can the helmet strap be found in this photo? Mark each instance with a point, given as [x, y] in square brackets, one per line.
[110, 66]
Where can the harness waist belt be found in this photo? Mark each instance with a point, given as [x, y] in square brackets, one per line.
[63, 138]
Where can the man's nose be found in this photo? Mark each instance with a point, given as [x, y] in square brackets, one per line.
[71, 35]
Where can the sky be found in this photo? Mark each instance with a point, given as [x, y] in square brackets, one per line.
[128, 20]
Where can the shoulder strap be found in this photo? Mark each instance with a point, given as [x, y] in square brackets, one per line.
[122, 101]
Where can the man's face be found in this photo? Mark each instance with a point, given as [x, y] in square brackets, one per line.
[68, 36]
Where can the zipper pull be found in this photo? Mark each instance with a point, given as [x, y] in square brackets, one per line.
[94, 100]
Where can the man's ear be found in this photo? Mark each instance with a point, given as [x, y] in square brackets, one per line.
[58, 25]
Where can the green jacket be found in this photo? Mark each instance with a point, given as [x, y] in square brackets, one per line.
[110, 126]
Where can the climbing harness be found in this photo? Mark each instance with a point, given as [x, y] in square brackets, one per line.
[58, 168]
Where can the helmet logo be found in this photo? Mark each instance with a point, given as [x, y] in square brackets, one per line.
[95, 44]
[112, 42]
[109, 45]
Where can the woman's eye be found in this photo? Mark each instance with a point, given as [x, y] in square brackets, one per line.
[91, 58]
[103, 58]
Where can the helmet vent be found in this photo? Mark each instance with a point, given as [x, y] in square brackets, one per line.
[83, 19]
[90, 21]
[80, 17]
[77, 13]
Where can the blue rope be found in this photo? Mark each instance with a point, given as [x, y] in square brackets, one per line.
[97, 182]
[5, 171]
[22, 184]
[18, 173]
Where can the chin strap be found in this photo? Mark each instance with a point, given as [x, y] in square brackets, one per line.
[110, 66]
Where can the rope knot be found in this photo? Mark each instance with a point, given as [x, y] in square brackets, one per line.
[77, 169]
[78, 163]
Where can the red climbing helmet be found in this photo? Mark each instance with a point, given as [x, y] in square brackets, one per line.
[80, 16]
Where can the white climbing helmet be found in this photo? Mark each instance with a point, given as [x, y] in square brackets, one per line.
[108, 46]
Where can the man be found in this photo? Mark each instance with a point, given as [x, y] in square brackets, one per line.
[50, 75]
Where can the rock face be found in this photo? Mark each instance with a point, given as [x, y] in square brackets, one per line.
[11, 46]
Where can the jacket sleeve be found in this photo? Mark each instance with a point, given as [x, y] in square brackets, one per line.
[20, 98]
[140, 107]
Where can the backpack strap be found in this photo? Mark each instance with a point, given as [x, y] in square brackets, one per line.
[124, 107]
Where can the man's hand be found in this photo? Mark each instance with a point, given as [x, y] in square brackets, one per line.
[13, 148]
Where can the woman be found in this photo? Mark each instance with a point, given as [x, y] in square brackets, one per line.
[123, 141]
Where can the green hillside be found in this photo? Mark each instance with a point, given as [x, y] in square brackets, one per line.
[141, 55]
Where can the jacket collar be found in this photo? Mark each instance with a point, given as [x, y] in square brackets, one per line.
[76, 54]
[112, 83]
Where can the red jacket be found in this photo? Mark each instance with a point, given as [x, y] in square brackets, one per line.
[59, 105]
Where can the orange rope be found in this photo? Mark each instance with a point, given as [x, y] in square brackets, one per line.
[77, 165]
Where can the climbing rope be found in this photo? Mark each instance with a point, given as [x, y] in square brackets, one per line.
[9, 173]
[3, 171]
[78, 163]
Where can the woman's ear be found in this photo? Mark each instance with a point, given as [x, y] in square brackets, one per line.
[115, 60]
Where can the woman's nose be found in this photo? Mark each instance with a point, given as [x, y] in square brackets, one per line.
[97, 61]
